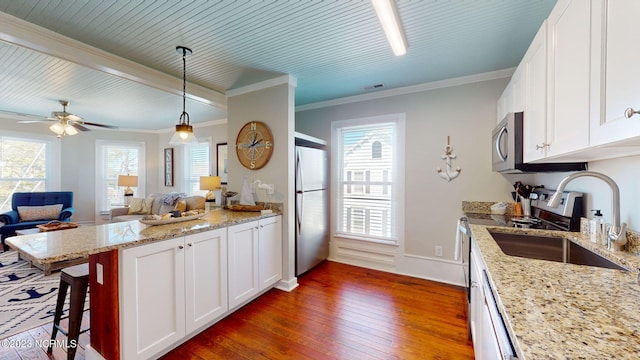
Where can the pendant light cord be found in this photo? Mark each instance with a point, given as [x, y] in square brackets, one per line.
[184, 114]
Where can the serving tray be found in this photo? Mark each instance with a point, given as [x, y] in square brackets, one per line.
[173, 219]
[56, 225]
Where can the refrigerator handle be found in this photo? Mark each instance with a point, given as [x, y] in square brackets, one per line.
[298, 192]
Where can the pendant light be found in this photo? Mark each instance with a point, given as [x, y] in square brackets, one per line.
[184, 131]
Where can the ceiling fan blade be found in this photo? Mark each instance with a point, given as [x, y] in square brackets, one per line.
[80, 127]
[33, 118]
[98, 125]
[35, 121]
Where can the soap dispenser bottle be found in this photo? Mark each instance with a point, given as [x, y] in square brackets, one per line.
[595, 227]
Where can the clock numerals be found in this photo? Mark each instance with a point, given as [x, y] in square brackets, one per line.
[267, 145]
[252, 164]
[253, 126]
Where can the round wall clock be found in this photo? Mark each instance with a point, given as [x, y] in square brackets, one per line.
[254, 145]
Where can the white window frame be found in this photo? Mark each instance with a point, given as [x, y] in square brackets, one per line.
[102, 201]
[189, 180]
[397, 180]
[53, 165]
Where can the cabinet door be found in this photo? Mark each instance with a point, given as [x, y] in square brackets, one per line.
[569, 45]
[152, 293]
[243, 262]
[518, 89]
[504, 103]
[477, 304]
[616, 34]
[535, 118]
[270, 250]
[205, 278]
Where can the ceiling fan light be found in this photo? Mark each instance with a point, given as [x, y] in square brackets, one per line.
[70, 130]
[57, 128]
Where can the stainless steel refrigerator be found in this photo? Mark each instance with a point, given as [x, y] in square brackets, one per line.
[312, 208]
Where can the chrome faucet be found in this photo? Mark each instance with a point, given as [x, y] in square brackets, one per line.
[617, 235]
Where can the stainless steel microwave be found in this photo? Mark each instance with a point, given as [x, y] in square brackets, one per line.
[507, 144]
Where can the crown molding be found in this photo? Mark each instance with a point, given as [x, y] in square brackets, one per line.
[492, 75]
[24, 34]
[284, 79]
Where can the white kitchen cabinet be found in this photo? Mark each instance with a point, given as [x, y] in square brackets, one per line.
[205, 278]
[255, 258]
[169, 289]
[270, 251]
[568, 75]
[513, 97]
[505, 102]
[615, 59]
[485, 343]
[535, 117]
[243, 263]
[152, 293]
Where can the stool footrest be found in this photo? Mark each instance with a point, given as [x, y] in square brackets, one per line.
[65, 332]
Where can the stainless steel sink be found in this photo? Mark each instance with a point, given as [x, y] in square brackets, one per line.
[550, 248]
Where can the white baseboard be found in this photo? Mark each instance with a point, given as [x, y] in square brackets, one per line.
[287, 285]
[443, 271]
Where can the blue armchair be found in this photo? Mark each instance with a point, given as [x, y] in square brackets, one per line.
[13, 222]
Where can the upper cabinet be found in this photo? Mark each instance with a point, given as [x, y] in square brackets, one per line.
[569, 47]
[616, 71]
[535, 97]
[580, 77]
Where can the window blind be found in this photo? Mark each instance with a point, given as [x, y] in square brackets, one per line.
[367, 199]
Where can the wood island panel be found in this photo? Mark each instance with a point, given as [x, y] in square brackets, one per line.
[105, 313]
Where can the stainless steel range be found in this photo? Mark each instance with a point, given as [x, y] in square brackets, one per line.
[565, 217]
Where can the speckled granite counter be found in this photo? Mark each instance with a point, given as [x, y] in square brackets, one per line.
[565, 311]
[56, 246]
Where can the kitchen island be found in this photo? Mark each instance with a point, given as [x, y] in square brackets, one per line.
[557, 310]
[153, 287]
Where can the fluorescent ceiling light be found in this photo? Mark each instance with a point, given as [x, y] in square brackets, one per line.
[390, 22]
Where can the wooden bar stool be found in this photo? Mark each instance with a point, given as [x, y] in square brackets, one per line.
[76, 277]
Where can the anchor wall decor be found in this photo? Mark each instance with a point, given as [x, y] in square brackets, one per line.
[449, 173]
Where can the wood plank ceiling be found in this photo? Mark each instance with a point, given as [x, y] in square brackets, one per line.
[333, 48]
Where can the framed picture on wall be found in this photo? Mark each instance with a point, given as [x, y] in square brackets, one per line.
[168, 167]
[221, 162]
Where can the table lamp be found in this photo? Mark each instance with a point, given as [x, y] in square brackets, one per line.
[210, 183]
[128, 181]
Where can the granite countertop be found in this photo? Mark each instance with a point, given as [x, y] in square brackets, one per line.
[556, 310]
[55, 246]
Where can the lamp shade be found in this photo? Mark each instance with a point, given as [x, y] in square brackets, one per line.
[127, 180]
[209, 182]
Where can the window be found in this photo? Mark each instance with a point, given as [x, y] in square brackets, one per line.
[369, 165]
[117, 158]
[197, 164]
[27, 164]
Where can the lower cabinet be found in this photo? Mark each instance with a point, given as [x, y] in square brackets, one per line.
[169, 289]
[485, 341]
[255, 258]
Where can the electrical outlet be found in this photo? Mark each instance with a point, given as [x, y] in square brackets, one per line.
[438, 250]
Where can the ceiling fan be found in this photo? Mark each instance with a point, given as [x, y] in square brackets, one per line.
[65, 123]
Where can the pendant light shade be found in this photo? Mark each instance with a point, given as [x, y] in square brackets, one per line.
[184, 131]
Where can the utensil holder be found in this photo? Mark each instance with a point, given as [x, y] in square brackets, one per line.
[526, 206]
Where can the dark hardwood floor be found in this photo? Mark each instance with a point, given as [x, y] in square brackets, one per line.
[342, 312]
[337, 312]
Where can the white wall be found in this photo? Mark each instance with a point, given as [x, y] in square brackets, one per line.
[626, 173]
[467, 114]
[271, 102]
